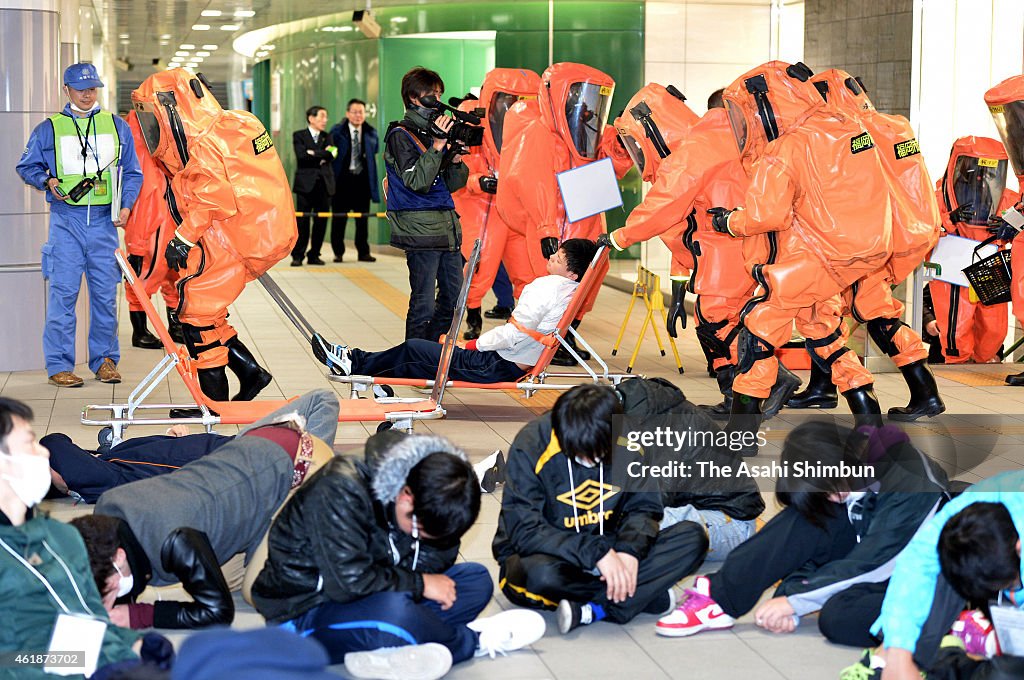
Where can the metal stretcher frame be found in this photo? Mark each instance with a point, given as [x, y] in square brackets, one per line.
[402, 413]
[536, 379]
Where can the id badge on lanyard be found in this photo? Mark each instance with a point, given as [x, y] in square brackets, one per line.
[75, 645]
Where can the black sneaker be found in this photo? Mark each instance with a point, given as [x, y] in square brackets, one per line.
[315, 260]
[297, 263]
[572, 615]
[499, 312]
[491, 471]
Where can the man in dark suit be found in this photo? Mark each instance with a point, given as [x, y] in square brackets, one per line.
[356, 171]
[314, 183]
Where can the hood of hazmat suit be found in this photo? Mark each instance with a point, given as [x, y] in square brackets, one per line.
[574, 102]
[501, 89]
[975, 176]
[652, 125]
[1006, 104]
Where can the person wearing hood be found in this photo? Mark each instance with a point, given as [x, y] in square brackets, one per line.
[362, 559]
[915, 230]
[232, 204]
[184, 526]
[801, 158]
[75, 156]
[422, 170]
[571, 536]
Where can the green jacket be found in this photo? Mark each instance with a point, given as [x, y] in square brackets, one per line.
[30, 610]
[422, 229]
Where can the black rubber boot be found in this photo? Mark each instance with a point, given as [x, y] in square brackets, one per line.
[820, 392]
[745, 418]
[174, 328]
[1016, 380]
[252, 377]
[786, 383]
[474, 323]
[141, 337]
[924, 393]
[725, 375]
[214, 383]
[864, 405]
[499, 312]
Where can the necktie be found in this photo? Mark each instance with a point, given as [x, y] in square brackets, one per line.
[355, 165]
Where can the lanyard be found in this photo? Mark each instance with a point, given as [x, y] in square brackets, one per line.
[46, 583]
[85, 142]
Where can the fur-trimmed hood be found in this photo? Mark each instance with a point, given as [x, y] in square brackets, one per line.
[391, 455]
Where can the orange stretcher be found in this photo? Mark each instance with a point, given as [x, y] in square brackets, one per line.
[538, 376]
[400, 413]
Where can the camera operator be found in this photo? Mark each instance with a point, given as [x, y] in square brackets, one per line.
[423, 168]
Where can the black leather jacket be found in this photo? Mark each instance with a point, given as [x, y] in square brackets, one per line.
[337, 540]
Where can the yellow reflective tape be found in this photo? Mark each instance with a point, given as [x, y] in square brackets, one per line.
[988, 162]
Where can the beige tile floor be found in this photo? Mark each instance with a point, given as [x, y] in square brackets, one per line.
[482, 421]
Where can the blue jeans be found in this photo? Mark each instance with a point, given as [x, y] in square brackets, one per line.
[420, 358]
[394, 619]
[502, 288]
[429, 270]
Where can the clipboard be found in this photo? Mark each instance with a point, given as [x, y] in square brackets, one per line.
[116, 179]
[954, 253]
[589, 190]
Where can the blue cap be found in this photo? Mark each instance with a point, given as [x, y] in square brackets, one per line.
[82, 77]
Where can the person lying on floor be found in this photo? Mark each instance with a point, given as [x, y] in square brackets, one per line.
[505, 353]
[182, 527]
[835, 543]
[570, 537]
[85, 474]
[362, 560]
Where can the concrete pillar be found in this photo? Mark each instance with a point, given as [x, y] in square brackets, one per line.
[70, 33]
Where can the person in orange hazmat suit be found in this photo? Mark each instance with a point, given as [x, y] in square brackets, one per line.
[564, 128]
[1006, 104]
[501, 89]
[802, 159]
[237, 219]
[915, 230]
[971, 193]
[146, 235]
[694, 165]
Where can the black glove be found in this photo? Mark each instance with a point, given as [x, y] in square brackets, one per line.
[135, 262]
[177, 254]
[548, 246]
[604, 240]
[962, 214]
[188, 555]
[676, 311]
[489, 185]
[1003, 230]
[720, 219]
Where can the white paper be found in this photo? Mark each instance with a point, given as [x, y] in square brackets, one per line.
[77, 633]
[1012, 217]
[589, 189]
[1009, 625]
[954, 253]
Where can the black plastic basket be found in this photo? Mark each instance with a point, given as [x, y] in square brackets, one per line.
[990, 277]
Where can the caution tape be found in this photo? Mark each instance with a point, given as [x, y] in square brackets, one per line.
[342, 214]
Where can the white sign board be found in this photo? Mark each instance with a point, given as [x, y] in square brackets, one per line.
[589, 189]
[953, 254]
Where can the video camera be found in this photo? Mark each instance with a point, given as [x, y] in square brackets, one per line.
[466, 130]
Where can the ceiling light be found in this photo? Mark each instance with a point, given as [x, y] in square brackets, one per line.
[211, 13]
[230, 27]
[197, 60]
[191, 64]
[164, 42]
[202, 54]
[176, 60]
[262, 53]
[209, 47]
[181, 53]
[200, 27]
[165, 36]
[399, 20]
[244, 13]
[124, 35]
[187, 46]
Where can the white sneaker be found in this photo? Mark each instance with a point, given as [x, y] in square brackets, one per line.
[335, 357]
[382, 391]
[413, 662]
[507, 631]
[491, 471]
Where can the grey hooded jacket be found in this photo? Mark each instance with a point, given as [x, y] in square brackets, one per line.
[336, 539]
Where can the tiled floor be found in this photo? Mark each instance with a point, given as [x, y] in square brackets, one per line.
[339, 300]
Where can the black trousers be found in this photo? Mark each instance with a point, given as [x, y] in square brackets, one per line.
[317, 200]
[786, 549]
[540, 581]
[351, 195]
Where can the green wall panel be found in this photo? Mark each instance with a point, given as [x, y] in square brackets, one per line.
[261, 91]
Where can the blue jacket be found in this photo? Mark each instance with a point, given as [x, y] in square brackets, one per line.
[342, 136]
[38, 162]
[911, 591]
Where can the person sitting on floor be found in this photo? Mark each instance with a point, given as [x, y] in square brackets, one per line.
[569, 539]
[182, 527]
[833, 546]
[362, 559]
[505, 353]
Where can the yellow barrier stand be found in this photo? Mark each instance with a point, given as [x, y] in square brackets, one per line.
[648, 288]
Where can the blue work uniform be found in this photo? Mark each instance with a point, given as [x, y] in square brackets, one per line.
[82, 237]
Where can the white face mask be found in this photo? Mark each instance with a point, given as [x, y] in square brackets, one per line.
[29, 477]
[585, 463]
[96, 107]
[126, 584]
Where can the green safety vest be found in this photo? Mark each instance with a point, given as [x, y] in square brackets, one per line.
[67, 149]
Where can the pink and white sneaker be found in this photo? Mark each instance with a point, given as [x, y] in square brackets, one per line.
[697, 612]
[977, 633]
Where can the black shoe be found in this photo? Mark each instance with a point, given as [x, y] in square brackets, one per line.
[725, 375]
[820, 392]
[141, 337]
[924, 394]
[584, 354]
[474, 323]
[494, 474]
[315, 260]
[563, 358]
[252, 377]
[499, 312]
[297, 263]
[786, 383]
[367, 258]
[745, 418]
[570, 616]
[339, 258]
[105, 438]
[174, 328]
[864, 405]
[1015, 380]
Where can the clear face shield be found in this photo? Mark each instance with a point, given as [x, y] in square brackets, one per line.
[738, 123]
[634, 151]
[979, 182]
[149, 125]
[499, 105]
[1009, 119]
[586, 110]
